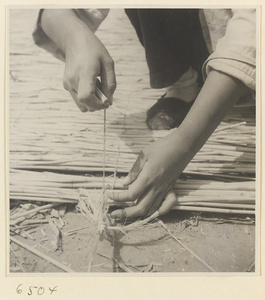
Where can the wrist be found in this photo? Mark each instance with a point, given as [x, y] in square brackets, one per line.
[181, 145]
[63, 27]
[78, 40]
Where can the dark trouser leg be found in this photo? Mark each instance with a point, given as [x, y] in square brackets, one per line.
[173, 42]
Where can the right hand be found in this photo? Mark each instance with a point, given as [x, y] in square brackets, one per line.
[85, 59]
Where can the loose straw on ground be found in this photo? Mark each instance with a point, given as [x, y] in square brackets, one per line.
[13, 218]
[41, 255]
[191, 252]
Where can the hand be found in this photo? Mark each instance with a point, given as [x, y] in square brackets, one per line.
[151, 179]
[85, 59]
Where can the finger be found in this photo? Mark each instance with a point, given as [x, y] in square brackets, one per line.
[129, 195]
[169, 202]
[101, 95]
[162, 191]
[135, 190]
[86, 92]
[141, 209]
[156, 203]
[70, 84]
[136, 169]
[108, 79]
[81, 106]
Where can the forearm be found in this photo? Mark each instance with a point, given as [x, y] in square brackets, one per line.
[218, 95]
[63, 27]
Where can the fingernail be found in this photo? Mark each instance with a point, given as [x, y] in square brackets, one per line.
[115, 215]
[107, 102]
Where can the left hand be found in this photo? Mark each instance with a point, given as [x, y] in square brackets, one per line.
[160, 164]
[151, 178]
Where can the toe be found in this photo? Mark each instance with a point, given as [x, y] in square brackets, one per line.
[167, 113]
[161, 121]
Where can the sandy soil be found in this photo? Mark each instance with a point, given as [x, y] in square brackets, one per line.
[225, 244]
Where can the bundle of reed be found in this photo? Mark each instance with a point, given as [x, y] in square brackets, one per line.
[210, 159]
[76, 145]
[203, 195]
[228, 155]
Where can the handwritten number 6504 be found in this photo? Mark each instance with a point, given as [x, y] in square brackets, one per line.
[39, 290]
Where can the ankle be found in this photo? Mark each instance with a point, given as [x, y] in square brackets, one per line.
[187, 94]
[186, 87]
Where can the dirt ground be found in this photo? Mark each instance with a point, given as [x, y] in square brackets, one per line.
[225, 243]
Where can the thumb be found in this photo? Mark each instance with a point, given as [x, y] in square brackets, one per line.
[108, 79]
[136, 169]
[87, 91]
